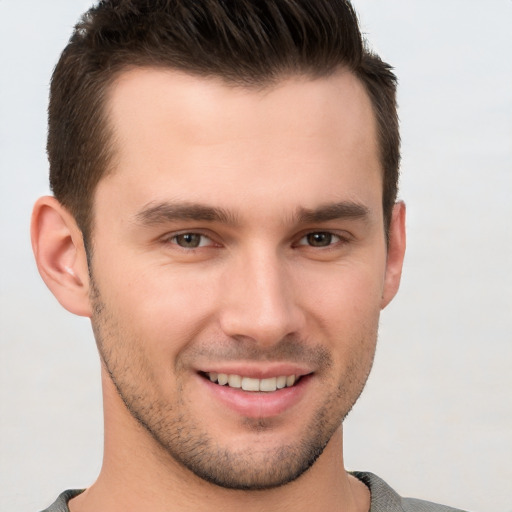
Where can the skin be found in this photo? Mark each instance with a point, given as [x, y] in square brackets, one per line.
[290, 274]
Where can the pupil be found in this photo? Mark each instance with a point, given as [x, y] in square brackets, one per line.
[319, 239]
[189, 240]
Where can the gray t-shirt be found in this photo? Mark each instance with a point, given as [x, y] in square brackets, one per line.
[383, 498]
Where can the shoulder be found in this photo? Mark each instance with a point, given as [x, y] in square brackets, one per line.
[61, 503]
[385, 499]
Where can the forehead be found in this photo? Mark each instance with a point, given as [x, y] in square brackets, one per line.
[201, 108]
[186, 136]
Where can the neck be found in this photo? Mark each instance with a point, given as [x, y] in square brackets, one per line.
[138, 475]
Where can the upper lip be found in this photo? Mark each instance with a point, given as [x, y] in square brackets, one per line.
[257, 371]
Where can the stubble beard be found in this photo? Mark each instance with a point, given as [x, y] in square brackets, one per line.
[188, 442]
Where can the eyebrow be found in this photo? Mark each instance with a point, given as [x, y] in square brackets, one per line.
[154, 214]
[333, 211]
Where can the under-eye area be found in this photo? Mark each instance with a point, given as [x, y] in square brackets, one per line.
[267, 385]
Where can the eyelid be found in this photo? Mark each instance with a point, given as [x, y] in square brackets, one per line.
[170, 238]
[341, 238]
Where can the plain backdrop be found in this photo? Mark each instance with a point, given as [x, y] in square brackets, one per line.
[435, 420]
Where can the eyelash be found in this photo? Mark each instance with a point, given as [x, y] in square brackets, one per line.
[173, 240]
[206, 241]
[339, 240]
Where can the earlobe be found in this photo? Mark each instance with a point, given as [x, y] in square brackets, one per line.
[396, 253]
[60, 255]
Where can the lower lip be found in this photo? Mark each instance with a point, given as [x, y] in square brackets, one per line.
[253, 404]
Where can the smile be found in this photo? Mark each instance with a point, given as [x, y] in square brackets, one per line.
[251, 384]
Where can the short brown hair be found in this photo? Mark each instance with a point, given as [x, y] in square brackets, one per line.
[244, 42]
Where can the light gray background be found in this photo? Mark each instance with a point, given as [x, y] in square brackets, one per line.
[436, 417]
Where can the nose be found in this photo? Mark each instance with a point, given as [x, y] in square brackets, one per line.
[260, 300]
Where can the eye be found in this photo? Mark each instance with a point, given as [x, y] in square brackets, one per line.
[191, 240]
[319, 239]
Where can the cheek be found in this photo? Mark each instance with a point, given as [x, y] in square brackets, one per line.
[344, 312]
[163, 308]
[344, 295]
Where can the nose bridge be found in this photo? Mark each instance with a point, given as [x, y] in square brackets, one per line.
[260, 302]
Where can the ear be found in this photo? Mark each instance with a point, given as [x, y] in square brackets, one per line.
[396, 252]
[60, 255]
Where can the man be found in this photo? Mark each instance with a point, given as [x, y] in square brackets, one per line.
[225, 212]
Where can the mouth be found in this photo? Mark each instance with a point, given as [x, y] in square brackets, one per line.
[257, 392]
[267, 385]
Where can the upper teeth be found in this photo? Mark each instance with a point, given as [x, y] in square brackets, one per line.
[250, 384]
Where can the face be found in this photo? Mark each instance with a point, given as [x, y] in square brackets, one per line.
[239, 265]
